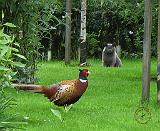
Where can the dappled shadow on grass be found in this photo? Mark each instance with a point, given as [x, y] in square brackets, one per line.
[139, 78]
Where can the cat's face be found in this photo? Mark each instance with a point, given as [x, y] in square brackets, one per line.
[109, 49]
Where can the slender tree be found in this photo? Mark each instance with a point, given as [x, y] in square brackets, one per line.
[158, 53]
[146, 51]
[83, 50]
[68, 31]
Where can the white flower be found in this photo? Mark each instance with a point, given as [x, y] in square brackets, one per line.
[138, 4]
[130, 32]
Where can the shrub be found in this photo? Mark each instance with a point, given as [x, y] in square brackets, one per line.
[8, 54]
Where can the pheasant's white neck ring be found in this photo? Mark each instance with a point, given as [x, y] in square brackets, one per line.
[83, 81]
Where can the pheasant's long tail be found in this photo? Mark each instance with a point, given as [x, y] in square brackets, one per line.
[30, 87]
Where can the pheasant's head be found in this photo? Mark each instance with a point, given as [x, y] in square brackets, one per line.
[83, 74]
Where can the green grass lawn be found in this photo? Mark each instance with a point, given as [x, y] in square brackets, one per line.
[109, 103]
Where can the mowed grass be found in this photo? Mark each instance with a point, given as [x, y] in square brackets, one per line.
[112, 97]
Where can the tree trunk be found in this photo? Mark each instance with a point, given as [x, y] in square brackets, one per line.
[146, 51]
[158, 54]
[68, 32]
[83, 50]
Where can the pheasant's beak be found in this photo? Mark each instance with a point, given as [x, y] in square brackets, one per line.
[88, 73]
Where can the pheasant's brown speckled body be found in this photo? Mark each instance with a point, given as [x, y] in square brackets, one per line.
[64, 93]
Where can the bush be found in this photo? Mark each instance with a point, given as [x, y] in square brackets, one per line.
[8, 54]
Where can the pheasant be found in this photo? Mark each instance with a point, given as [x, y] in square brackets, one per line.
[65, 93]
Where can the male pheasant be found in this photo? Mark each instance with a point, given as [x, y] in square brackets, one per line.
[65, 93]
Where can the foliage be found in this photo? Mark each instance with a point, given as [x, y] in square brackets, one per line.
[36, 21]
[7, 122]
[8, 54]
[120, 22]
[93, 45]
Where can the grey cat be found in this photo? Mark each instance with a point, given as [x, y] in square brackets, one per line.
[110, 57]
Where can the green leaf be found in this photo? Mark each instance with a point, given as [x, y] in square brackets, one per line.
[20, 56]
[3, 51]
[14, 49]
[2, 14]
[9, 53]
[9, 24]
[3, 42]
[14, 123]
[102, 2]
[2, 46]
[67, 108]
[7, 60]
[12, 39]
[7, 37]
[18, 64]
[13, 73]
[17, 44]
[57, 114]
[2, 68]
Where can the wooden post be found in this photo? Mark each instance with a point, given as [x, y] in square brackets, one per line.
[158, 54]
[83, 50]
[49, 54]
[146, 51]
[68, 31]
[50, 49]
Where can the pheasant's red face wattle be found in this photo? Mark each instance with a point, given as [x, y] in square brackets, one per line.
[84, 72]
